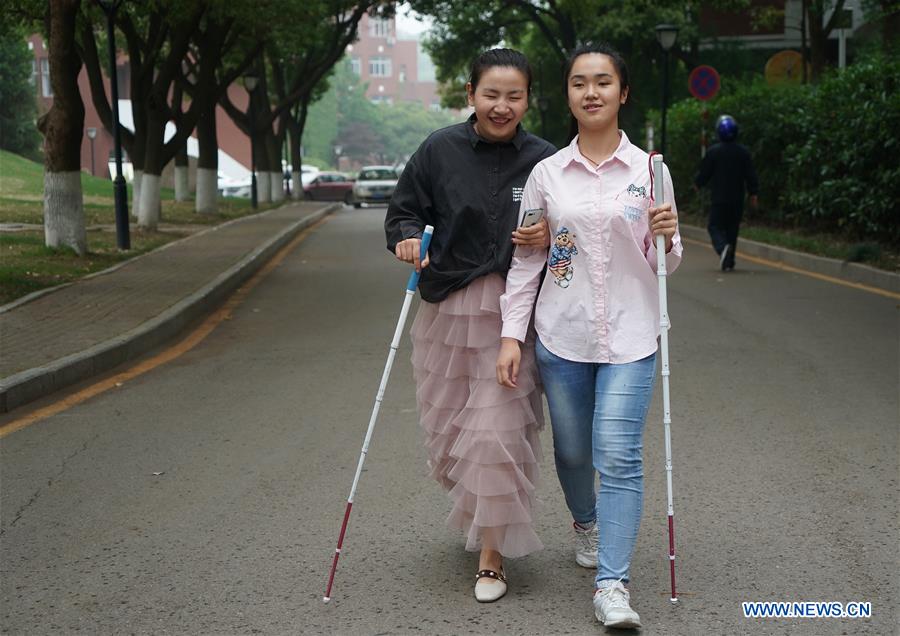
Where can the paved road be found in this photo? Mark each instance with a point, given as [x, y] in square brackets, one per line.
[785, 406]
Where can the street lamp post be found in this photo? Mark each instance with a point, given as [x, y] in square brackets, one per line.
[286, 174]
[92, 135]
[250, 82]
[123, 235]
[666, 34]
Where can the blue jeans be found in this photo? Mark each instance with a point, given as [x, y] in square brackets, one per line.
[597, 412]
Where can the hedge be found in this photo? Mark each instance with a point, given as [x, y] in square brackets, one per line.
[827, 155]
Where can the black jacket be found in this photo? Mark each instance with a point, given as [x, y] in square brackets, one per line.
[728, 167]
[469, 189]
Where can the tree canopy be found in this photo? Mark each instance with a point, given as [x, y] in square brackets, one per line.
[18, 108]
[386, 133]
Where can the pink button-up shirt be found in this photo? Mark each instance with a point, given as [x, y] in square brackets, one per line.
[600, 298]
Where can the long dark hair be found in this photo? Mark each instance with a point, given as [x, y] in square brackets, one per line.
[604, 49]
[499, 57]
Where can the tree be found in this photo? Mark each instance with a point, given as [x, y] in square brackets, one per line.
[303, 48]
[358, 122]
[157, 35]
[889, 14]
[62, 128]
[318, 139]
[405, 126]
[17, 105]
[547, 31]
[227, 42]
[819, 29]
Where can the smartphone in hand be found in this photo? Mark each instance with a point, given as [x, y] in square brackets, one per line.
[532, 216]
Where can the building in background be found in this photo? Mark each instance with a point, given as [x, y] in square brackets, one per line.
[394, 65]
[783, 32]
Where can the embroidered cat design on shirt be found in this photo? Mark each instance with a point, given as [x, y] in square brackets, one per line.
[561, 253]
[634, 203]
[636, 191]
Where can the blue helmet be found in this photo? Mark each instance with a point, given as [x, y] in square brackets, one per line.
[727, 128]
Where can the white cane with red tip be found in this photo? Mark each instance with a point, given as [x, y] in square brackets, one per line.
[659, 196]
[395, 344]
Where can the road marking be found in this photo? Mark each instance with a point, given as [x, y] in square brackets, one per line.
[192, 340]
[796, 270]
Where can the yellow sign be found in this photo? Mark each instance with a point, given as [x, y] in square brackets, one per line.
[786, 67]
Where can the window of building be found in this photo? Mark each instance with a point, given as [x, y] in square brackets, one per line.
[379, 28]
[402, 74]
[355, 66]
[46, 88]
[34, 73]
[381, 99]
[425, 71]
[380, 67]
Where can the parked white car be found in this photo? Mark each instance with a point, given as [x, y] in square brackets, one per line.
[374, 184]
[307, 174]
[229, 187]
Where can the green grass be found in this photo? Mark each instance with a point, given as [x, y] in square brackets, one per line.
[26, 265]
[22, 185]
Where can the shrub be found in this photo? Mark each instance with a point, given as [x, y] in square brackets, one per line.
[844, 172]
[825, 154]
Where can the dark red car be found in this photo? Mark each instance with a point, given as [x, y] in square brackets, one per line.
[330, 186]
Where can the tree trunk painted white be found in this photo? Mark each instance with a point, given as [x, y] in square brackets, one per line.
[276, 181]
[150, 203]
[182, 188]
[296, 186]
[64, 211]
[207, 192]
[136, 193]
[263, 187]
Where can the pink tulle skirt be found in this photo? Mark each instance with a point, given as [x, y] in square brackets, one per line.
[482, 438]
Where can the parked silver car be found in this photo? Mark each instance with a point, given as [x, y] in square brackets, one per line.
[374, 184]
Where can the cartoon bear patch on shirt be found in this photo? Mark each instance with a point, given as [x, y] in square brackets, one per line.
[561, 253]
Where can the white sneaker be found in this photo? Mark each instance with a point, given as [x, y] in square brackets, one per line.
[585, 545]
[612, 609]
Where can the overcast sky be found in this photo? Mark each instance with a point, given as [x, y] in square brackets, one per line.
[407, 23]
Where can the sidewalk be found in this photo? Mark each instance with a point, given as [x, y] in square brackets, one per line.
[65, 335]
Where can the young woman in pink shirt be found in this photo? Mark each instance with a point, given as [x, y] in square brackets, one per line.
[597, 318]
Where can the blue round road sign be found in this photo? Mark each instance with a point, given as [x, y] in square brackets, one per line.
[703, 82]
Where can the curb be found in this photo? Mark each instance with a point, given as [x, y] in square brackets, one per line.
[27, 386]
[851, 272]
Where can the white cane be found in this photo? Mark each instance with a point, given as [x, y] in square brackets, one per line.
[395, 344]
[659, 196]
